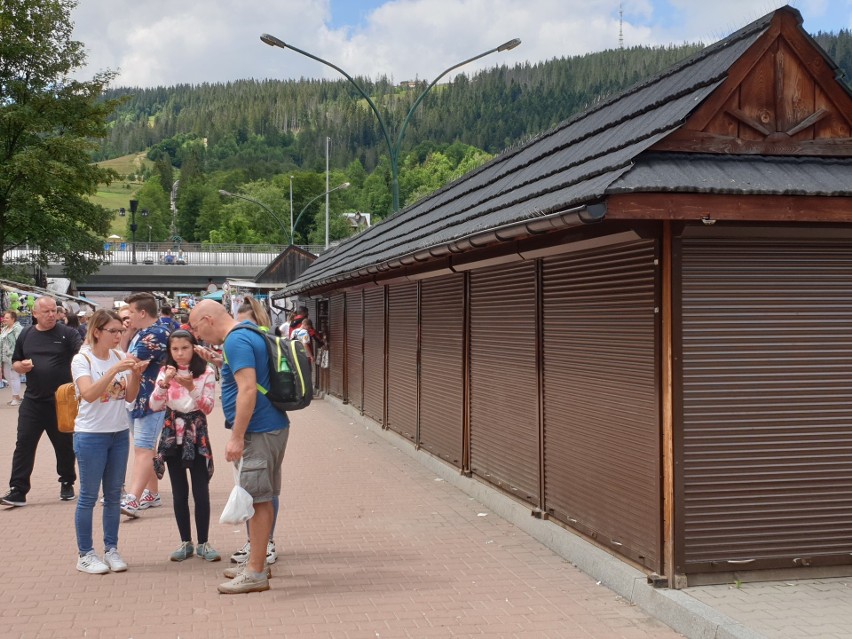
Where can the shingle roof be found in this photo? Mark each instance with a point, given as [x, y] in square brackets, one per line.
[738, 174]
[572, 164]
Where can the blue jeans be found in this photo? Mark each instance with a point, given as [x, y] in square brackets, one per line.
[101, 458]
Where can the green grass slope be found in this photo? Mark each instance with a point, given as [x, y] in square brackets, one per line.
[120, 192]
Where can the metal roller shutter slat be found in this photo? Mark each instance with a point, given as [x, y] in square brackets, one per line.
[767, 370]
[601, 405]
[503, 403]
[402, 359]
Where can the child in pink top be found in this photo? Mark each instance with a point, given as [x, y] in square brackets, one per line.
[186, 386]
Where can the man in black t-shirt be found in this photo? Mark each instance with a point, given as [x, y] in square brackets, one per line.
[43, 353]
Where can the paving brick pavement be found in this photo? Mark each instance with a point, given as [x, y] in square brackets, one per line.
[800, 608]
[371, 544]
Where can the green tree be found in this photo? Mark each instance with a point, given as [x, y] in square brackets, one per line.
[155, 200]
[165, 172]
[246, 222]
[338, 203]
[376, 194]
[48, 123]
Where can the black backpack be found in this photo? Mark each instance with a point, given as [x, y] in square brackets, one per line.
[290, 386]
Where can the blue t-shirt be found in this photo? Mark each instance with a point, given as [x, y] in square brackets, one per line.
[169, 323]
[247, 349]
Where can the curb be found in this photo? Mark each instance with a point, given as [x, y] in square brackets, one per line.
[692, 618]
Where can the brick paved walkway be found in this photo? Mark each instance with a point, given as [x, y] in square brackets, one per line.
[371, 545]
[794, 609]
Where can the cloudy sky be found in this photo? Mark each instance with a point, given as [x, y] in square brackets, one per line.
[166, 42]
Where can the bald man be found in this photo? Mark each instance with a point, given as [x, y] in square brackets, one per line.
[259, 431]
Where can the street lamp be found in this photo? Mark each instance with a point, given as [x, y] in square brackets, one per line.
[291, 209]
[339, 187]
[133, 206]
[393, 148]
[261, 204]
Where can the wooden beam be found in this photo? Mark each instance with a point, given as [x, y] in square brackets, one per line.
[812, 119]
[740, 208]
[667, 409]
[689, 141]
[748, 120]
[799, 42]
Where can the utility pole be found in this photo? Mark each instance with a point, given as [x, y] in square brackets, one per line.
[173, 229]
[327, 141]
[291, 209]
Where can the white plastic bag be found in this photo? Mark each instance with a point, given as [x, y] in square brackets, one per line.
[240, 505]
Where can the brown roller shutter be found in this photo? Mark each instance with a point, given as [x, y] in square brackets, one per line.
[337, 343]
[766, 404]
[354, 348]
[601, 406]
[504, 440]
[441, 367]
[402, 359]
[374, 353]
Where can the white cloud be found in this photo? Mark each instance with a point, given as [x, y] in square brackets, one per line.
[195, 41]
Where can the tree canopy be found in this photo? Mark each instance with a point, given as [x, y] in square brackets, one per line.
[48, 127]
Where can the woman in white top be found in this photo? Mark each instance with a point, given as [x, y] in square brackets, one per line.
[106, 378]
[8, 335]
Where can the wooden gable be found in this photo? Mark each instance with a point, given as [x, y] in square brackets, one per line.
[780, 98]
[288, 266]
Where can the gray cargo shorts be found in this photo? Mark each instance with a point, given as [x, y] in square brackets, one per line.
[262, 457]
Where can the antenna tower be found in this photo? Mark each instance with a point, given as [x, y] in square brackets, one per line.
[621, 25]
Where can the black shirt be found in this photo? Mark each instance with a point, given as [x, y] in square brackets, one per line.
[51, 352]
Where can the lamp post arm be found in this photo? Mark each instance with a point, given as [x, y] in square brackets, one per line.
[275, 42]
[305, 208]
[393, 148]
[345, 185]
[503, 47]
[261, 204]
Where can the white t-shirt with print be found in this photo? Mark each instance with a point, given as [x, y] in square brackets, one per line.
[108, 413]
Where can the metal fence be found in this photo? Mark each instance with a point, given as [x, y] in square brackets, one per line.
[196, 254]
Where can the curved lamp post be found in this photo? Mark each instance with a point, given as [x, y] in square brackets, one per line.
[261, 204]
[339, 187]
[393, 147]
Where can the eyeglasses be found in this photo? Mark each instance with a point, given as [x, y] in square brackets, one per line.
[195, 328]
[113, 331]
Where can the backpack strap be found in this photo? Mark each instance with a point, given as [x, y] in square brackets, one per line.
[77, 388]
[254, 329]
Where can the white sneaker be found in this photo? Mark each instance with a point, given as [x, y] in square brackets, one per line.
[92, 564]
[130, 506]
[271, 555]
[15, 402]
[114, 560]
[149, 500]
[241, 556]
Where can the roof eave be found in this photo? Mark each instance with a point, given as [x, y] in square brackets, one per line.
[558, 220]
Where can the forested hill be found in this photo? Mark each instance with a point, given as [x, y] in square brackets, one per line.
[287, 121]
